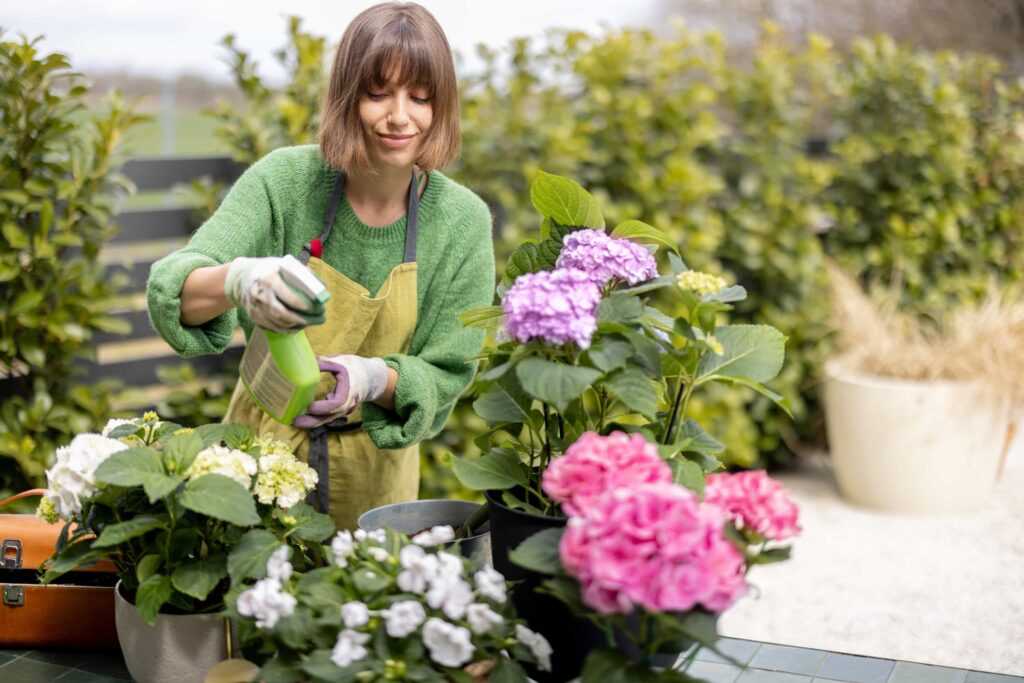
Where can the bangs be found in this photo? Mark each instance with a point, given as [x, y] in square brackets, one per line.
[400, 53]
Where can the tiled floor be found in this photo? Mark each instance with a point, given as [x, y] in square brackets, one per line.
[762, 663]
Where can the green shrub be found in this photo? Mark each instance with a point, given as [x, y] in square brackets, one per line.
[58, 182]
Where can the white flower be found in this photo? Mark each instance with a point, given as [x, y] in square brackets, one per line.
[355, 614]
[434, 536]
[278, 566]
[229, 462]
[403, 618]
[112, 424]
[377, 535]
[420, 569]
[491, 584]
[72, 477]
[266, 601]
[342, 547]
[538, 644]
[482, 618]
[450, 566]
[283, 479]
[378, 554]
[349, 647]
[449, 645]
[451, 595]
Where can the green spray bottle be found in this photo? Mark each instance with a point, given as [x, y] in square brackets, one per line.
[279, 369]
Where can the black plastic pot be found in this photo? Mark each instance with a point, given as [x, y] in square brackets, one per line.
[571, 637]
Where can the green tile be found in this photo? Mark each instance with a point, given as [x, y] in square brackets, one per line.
[855, 669]
[23, 670]
[909, 672]
[740, 650]
[794, 660]
[761, 676]
[6, 659]
[11, 652]
[66, 658]
[983, 677]
[107, 664]
[79, 676]
[713, 672]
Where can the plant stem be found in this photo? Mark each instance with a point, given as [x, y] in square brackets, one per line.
[674, 412]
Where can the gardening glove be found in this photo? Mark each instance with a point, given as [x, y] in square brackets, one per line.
[256, 285]
[359, 379]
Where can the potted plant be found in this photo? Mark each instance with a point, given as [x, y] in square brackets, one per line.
[386, 608]
[591, 338]
[182, 514]
[646, 560]
[920, 412]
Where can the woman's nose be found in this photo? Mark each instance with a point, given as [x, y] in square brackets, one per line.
[399, 114]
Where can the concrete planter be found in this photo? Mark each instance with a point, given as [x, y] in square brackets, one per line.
[914, 446]
[418, 515]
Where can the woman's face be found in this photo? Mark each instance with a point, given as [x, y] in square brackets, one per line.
[395, 119]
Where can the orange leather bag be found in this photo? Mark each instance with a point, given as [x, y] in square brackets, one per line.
[76, 612]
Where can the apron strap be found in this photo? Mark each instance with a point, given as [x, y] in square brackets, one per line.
[412, 223]
[332, 211]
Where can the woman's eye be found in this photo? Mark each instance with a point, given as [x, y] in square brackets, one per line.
[376, 96]
[420, 100]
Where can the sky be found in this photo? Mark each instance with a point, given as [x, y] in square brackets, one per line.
[167, 37]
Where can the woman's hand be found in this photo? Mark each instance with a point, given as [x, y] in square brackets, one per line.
[359, 379]
[256, 285]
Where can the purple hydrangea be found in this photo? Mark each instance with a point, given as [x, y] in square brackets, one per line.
[604, 257]
[557, 306]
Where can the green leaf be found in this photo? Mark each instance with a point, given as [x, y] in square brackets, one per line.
[180, 451]
[727, 294]
[638, 231]
[565, 202]
[248, 560]
[73, 556]
[493, 470]
[151, 596]
[507, 670]
[610, 352]
[319, 665]
[369, 580]
[614, 666]
[504, 401]
[693, 439]
[752, 352]
[198, 577]
[620, 308]
[539, 552]
[483, 317]
[147, 566]
[119, 533]
[771, 555]
[633, 387]
[296, 630]
[687, 473]
[779, 400]
[130, 467]
[554, 383]
[310, 525]
[511, 501]
[159, 485]
[222, 498]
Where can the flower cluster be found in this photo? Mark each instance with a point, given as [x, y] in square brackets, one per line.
[754, 501]
[604, 258]
[701, 283]
[557, 306]
[595, 464]
[229, 462]
[281, 479]
[72, 477]
[652, 546]
[418, 597]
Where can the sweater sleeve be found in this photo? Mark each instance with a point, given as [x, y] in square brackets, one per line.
[241, 226]
[438, 367]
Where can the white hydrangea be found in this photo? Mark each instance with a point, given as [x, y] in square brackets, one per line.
[342, 547]
[283, 479]
[491, 584]
[538, 645]
[349, 647]
[112, 424]
[72, 477]
[266, 601]
[230, 462]
[419, 569]
[403, 618]
[434, 536]
[355, 614]
[482, 618]
[449, 645]
[278, 566]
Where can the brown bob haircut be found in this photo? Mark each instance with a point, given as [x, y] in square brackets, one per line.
[400, 39]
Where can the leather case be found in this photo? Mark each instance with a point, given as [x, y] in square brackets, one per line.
[76, 612]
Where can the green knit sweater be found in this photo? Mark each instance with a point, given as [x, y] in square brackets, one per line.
[279, 205]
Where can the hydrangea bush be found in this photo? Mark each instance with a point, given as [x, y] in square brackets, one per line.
[181, 513]
[649, 561]
[589, 337]
[387, 608]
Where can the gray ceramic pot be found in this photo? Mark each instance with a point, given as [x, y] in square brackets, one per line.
[418, 515]
[179, 648]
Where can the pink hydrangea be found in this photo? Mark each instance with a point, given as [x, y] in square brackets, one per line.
[557, 306]
[595, 464]
[652, 546]
[754, 500]
[604, 257]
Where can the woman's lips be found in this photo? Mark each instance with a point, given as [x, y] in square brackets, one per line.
[395, 141]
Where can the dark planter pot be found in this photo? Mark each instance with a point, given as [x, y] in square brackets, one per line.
[571, 637]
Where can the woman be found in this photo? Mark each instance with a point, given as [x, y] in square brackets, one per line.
[401, 248]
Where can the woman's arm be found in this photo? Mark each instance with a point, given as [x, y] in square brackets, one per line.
[202, 295]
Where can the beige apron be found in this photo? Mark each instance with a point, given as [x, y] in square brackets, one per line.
[361, 476]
